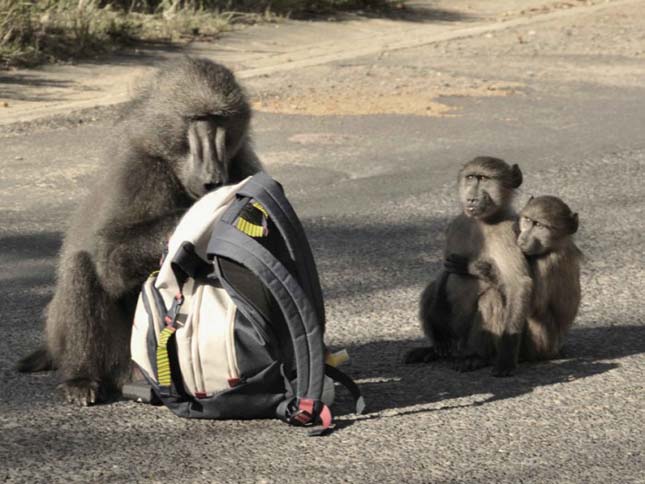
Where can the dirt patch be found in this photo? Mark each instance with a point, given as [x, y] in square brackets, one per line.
[322, 139]
[366, 89]
[605, 47]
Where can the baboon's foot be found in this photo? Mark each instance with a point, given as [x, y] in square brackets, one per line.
[421, 355]
[85, 392]
[469, 363]
[80, 391]
[503, 371]
[443, 350]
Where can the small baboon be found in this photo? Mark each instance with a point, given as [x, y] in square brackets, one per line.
[546, 227]
[463, 313]
[184, 134]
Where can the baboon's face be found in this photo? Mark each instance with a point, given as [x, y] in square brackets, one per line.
[536, 236]
[545, 223]
[481, 193]
[212, 142]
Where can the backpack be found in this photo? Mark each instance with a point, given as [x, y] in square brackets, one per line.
[232, 324]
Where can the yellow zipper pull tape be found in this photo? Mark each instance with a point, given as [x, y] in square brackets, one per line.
[163, 361]
[253, 220]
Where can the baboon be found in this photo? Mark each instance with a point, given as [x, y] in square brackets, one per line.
[184, 133]
[463, 313]
[546, 227]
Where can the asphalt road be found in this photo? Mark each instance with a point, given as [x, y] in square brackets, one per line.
[375, 192]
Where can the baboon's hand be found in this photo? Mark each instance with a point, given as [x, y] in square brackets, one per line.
[456, 264]
[486, 271]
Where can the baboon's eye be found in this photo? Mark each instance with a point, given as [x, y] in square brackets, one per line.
[470, 177]
[537, 224]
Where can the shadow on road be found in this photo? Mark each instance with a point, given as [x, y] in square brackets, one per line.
[355, 258]
[30, 245]
[27, 282]
[398, 389]
[26, 87]
[46, 85]
[418, 13]
[359, 257]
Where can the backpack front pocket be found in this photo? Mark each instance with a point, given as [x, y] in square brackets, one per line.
[206, 345]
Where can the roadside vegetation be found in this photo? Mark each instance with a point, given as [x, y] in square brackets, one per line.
[38, 31]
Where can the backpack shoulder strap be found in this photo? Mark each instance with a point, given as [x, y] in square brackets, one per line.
[270, 194]
[301, 318]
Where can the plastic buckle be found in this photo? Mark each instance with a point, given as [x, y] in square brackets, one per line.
[295, 415]
[307, 412]
[171, 315]
[302, 417]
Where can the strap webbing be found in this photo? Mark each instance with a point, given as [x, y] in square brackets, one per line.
[300, 316]
[269, 193]
[342, 378]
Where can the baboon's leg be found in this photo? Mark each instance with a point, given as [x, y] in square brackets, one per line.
[540, 340]
[477, 347]
[434, 313]
[88, 334]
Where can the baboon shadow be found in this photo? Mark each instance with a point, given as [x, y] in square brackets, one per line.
[391, 386]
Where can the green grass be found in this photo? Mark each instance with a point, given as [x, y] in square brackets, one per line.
[38, 31]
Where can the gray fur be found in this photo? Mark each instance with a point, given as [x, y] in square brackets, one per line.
[546, 228]
[184, 133]
[476, 309]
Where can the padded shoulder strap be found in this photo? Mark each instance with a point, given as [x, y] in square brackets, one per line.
[301, 318]
[269, 193]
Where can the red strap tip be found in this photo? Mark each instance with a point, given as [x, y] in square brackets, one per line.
[325, 417]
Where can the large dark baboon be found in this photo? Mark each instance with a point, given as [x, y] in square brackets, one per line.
[464, 314]
[184, 134]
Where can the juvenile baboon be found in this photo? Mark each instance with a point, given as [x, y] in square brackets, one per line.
[546, 227]
[462, 313]
[183, 134]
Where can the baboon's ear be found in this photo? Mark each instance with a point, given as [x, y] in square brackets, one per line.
[516, 176]
[573, 224]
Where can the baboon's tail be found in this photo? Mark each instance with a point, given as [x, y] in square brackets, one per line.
[39, 360]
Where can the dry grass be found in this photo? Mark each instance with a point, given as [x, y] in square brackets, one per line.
[37, 31]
